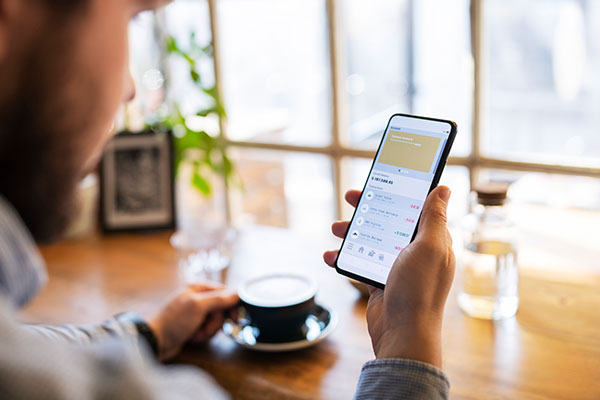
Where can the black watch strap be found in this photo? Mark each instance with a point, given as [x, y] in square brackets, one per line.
[144, 330]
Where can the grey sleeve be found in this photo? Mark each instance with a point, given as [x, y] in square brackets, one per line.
[34, 365]
[401, 379]
[84, 334]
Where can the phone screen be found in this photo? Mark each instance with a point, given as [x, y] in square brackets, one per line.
[407, 166]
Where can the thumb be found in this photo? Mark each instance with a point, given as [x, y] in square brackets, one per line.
[433, 220]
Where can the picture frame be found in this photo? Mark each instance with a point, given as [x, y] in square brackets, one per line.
[137, 182]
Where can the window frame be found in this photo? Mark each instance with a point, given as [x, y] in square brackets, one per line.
[339, 149]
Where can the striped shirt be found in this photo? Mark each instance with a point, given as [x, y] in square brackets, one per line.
[107, 360]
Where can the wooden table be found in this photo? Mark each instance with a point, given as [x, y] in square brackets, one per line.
[551, 350]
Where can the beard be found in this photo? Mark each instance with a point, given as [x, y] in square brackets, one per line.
[40, 126]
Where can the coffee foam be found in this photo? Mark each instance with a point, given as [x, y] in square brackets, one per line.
[279, 290]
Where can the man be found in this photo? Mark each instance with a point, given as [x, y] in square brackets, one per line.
[63, 74]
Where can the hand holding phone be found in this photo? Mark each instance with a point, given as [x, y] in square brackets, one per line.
[382, 247]
[405, 320]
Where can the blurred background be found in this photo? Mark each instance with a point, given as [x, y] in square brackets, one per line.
[308, 87]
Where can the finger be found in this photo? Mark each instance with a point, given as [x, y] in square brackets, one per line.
[205, 286]
[372, 289]
[198, 337]
[213, 324]
[233, 314]
[340, 228]
[217, 300]
[200, 334]
[330, 256]
[352, 197]
[433, 220]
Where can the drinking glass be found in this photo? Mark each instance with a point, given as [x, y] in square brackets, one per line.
[204, 254]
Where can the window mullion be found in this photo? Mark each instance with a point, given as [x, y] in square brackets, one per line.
[477, 49]
[338, 126]
[216, 47]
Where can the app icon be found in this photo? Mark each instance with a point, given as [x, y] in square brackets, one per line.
[361, 250]
[364, 208]
[369, 195]
[371, 253]
[354, 235]
[360, 221]
[381, 257]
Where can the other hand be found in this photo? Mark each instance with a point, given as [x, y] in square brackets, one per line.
[194, 314]
[405, 320]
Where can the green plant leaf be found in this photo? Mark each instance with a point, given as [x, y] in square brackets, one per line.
[208, 50]
[206, 112]
[205, 152]
[227, 165]
[172, 45]
[200, 183]
[195, 75]
[212, 92]
[220, 109]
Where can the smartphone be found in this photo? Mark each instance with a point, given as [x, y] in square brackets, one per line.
[407, 166]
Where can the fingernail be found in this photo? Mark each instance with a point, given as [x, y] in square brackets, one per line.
[444, 193]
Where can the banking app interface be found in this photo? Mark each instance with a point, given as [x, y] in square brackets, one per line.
[392, 201]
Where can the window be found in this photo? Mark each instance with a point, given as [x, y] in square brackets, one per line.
[557, 218]
[276, 82]
[544, 85]
[378, 64]
[310, 84]
[285, 189]
[145, 59]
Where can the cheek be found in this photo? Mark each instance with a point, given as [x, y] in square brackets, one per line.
[105, 62]
[111, 72]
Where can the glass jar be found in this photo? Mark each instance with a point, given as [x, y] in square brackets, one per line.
[489, 261]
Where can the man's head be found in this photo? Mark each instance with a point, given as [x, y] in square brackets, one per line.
[63, 74]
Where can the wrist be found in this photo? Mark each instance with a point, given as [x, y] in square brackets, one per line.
[156, 327]
[419, 341]
[146, 332]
